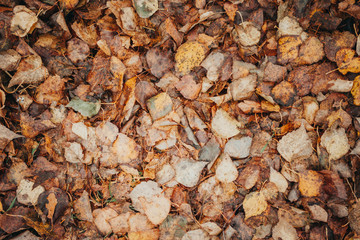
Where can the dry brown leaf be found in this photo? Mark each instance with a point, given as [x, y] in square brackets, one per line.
[159, 61]
[86, 33]
[51, 205]
[6, 135]
[23, 22]
[170, 29]
[230, 10]
[30, 71]
[188, 87]
[78, 50]
[284, 93]
[52, 90]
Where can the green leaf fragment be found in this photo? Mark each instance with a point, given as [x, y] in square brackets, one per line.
[87, 109]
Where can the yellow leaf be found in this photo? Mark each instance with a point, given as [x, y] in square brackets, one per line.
[288, 49]
[310, 183]
[188, 56]
[355, 91]
[347, 62]
[254, 204]
[69, 4]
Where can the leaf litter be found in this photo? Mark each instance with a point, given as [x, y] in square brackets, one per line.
[152, 119]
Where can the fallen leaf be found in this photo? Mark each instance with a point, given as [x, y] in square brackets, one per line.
[213, 63]
[52, 90]
[188, 87]
[196, 234]
[278, 179]
[347, 62]
[101, 217]
[86, 33]
[29, 71]
[243, 88]
[26, 194]
[125, 148]
[238, 147]
[226, 171]
[160, 105]
[87, 109]
[224, 125]
[6, 135]
[318, 213]
[283, 230]
[159, 61]
[336, 142]
[246, 33]
[82, 207]
[146, 8]
[254, 204]
[23, 21]
[308, 48]
[148, 198]
[69, 4]
[9, 60]
[188, 171]
[310, 183]
[188, 56]
[288, 49]
[51, 205]
[74, 153]
[284, 93]
[295, 145]
[77, 50]
[289, 26]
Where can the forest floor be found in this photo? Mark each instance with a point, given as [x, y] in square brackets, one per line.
[177, 119]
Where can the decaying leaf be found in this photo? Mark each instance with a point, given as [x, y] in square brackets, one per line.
[86, 33]
[355, 91]
[51, 205]
[146, 8]
[283, 230]
[160, 105]
[288, 49]
[347, 62]
[243, 88]
[188, 87]
[284, 93]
